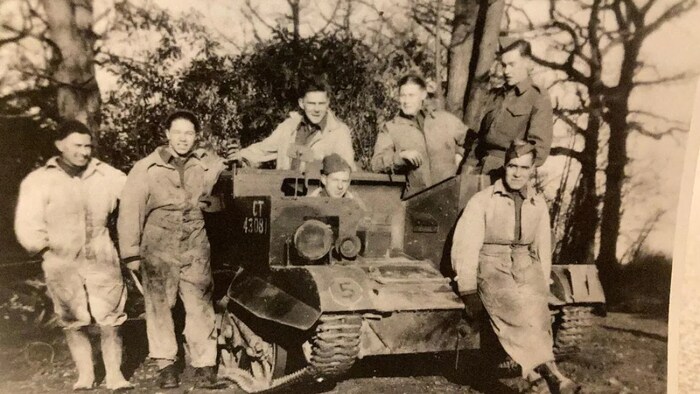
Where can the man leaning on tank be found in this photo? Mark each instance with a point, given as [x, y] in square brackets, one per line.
[501, 254]
[162, 235]
[316, 129]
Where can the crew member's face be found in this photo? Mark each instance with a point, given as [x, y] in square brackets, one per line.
[181, 136]
[518, 171]
[411, 98]
[315, 106]
[336, 184]
[76, 149]
[515, 66]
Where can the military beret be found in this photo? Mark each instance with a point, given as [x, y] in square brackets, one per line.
[334, 163]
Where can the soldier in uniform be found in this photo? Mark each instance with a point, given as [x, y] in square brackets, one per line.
[501, 254]
[62, 215]
[162, 235]
[316, 128]
[423, 143]
[520, 111]
[335, 178]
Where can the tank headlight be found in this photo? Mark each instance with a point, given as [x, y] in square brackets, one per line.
[313, 239]
[348, 246]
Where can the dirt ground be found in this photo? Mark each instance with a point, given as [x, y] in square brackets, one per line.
[624, 353]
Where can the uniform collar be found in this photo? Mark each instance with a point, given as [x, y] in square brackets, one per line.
[523, 86]
[93, 165]
[164, 156]
[526, 193]
[321, 126]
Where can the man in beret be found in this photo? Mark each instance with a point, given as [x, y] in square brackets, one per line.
[520, 111]
[62, 214]
[501, 253]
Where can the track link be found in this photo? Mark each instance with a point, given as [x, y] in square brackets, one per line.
[335, 345]
[571, 325]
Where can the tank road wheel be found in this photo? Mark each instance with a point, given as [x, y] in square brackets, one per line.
[334, 347]
[571, 325]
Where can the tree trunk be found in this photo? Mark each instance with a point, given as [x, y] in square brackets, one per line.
[617, 102]
[460, 54]
[489, 28]
[582, 222]
[70, 28]
[439, 96]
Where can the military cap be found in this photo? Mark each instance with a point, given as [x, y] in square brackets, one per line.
[334, 163]
[520, 148]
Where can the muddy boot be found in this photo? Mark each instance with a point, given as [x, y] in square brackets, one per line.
[111, 343]
[206, 378]
[81, 352]
[167, 377]
[558, 383]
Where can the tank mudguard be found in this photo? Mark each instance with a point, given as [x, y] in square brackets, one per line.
[268, 301]
[575, 284]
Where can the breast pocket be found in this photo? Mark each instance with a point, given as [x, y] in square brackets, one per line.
[518, 118]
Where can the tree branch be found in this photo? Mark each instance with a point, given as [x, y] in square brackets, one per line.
[657, 135]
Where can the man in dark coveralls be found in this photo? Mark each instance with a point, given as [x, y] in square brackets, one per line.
[521, 111]
[501, 254]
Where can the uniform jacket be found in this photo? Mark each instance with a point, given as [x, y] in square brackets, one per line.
[489, 218]
[68, 215]
[157, 193]
[334, 138]
[524, 112]
[441, 138]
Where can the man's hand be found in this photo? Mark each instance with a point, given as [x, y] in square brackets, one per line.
[233, 152]
[412, 156]
[472, 304]
[134, 265]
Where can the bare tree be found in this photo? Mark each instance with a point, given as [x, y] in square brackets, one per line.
[581, 36]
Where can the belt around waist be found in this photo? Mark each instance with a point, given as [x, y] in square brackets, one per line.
[495, 248]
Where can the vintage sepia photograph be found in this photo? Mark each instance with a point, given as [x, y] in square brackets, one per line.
[350, 196]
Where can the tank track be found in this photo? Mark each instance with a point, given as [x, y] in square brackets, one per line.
[335, 345]
[571, 325]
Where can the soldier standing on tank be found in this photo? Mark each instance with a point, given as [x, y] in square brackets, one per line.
[62, 215]
[162, 235]
[519, 111]
[423, 143]
[501, 254]
[316, 129]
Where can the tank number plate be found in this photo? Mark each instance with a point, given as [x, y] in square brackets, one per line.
[252, 225]
[346, 291]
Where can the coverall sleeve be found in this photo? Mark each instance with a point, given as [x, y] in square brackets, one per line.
[265, 150]
[30, 226]
[385, 157]
[132, 213]
[544, 243]
[466, 244]
[540, 130]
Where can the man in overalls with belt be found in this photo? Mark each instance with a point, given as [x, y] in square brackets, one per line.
[502, 252]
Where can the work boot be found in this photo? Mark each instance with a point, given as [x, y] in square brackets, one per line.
[538, 386]
[111, 343]
[206, 378]
[81, 352]
[167, 377]
[557, 382]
